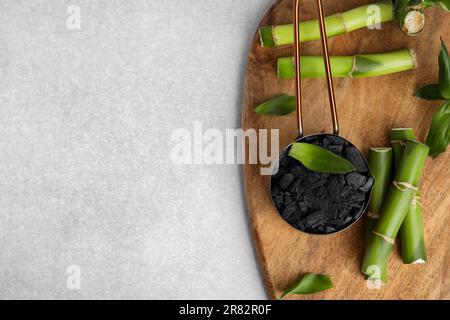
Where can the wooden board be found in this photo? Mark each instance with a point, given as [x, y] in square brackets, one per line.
[368, 109]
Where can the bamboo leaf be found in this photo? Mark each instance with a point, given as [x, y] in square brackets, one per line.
[430, 92]
[438, 136]
[429, 3]
[444, 71]
[319, 159]
[279, 106]
[445, 4]
[310, 283]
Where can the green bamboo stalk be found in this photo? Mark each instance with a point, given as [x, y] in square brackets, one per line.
[412, 230]
[394, 210]
[380, 162]
[359, 66]
[337, 24]
[399, 137]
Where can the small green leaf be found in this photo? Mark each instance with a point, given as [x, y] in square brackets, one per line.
[429, 3]
[444, 72]
[445, 4]
[310, 283]
[438, 136]
[319, 159]
[278, 106]
[430, 92]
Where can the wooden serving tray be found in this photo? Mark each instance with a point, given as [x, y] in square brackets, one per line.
[368, 109]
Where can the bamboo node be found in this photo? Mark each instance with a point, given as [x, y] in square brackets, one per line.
[416, 202]
[401, 142]
[404, 186]
[385, 238]
[373, 215]
[339, 16]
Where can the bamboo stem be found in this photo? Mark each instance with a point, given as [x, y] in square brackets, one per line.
[337, 24]
[359, 66]
[380, 162]
[412, 230]
[394, 210]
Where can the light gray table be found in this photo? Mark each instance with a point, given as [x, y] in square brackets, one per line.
[87, 186]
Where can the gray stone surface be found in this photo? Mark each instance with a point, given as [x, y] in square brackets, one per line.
[86, 179]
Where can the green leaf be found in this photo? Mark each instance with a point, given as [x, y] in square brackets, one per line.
[430, 92]
[444, 72]
[319, 159]
[429, 3]
[278, 106]
[310, 283]
[438, 136]
[445, 4]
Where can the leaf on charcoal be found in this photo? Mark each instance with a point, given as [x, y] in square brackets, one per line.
[438, 136]
[279, 106]
[444, 72]
[430, 92]
[310, 283]
[319, 159]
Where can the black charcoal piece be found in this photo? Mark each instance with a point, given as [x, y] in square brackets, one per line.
[356, 196]
[348, 219]
[335, 140]
[345, 192]
[355, 157]
[275, 190]
[314, 219]
[296, 169]
[311, 201]
[281, 171]
[336, 149]
[355, 180]
[279, 201]
[300, 225]
[284, 162]
[287, 199]
[366, 188]
[296, 186]
[321, 229]
[329, 229]
[289, 211]
[343, 213]
[303, 208]
[337, 223]
[286, 180]
[356, 213]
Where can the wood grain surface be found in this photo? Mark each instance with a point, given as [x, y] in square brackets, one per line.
[368, 109]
